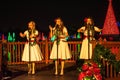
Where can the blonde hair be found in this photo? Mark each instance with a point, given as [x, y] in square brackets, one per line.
[33, 23]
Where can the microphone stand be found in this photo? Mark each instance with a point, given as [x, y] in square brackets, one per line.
[29, 32]
[88, 42]
[57, 40]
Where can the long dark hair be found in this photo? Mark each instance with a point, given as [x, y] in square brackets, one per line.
[57, 26]
[34, 27]
[89, 26]
[85, 21]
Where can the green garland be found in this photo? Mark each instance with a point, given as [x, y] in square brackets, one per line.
[101, 52]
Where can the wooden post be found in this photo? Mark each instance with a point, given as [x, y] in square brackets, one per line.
[111, 70]
[115, 74]
[0, 56]
[107, 69]
[93, 46]
[46, 51]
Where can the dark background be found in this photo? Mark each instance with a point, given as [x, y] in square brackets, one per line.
[16, 14]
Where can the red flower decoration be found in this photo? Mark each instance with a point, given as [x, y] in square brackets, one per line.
[85, 67]
[98, 77]
[89, 73]
[85, 20]
[90, 70]
[94, 64]
[81, 75]
[96, 70]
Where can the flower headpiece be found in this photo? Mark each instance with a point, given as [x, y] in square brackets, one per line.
[85, 19]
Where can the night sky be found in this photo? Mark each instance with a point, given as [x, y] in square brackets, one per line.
[15, 16]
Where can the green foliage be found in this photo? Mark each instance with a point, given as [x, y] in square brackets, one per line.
[100, 52]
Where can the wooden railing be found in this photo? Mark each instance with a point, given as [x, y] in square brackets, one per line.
[14, 50]
[113, 46]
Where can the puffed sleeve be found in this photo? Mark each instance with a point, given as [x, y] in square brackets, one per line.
[82, 29]
[26, 32]
[97, 29]
[65, 31]
[36, 32]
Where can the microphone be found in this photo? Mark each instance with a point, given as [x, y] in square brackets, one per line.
[88, 26]
[56, 25]
[29, 30]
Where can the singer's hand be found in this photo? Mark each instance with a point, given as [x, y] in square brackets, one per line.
[80, 30]
[21, 34]
[50, 27]
[61, 36]
[31, 36]
[100, 30]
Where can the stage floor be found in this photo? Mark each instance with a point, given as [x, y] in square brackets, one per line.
[47, 73]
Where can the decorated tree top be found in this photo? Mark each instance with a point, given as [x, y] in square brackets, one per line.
[110, 24]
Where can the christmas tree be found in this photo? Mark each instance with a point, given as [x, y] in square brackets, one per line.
[110, 24]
